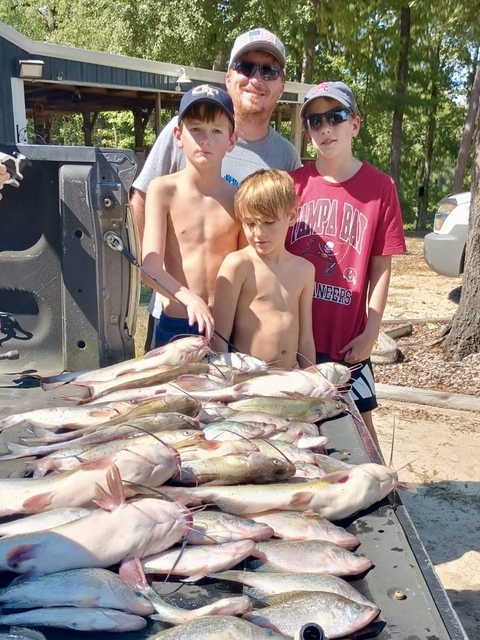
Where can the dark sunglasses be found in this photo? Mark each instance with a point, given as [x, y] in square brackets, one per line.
[314, 121]
[247, 69]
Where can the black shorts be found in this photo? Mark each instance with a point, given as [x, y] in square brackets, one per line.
[363, 383]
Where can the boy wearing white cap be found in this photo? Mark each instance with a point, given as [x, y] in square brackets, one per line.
[255, 80]
[189, 221]
[349, 224]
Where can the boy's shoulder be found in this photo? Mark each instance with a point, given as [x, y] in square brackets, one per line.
[167, 180]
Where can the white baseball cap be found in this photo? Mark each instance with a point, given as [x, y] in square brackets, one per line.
[258, 39]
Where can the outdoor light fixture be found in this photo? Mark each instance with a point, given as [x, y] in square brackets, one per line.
[31, 68]
[182, 79]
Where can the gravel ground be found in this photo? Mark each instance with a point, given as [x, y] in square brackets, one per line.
[424, 364]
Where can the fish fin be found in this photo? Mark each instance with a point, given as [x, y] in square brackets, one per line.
[309, 513]
[301, 499]
[116, 497]
[20, 554]
[131, 571]
[39, 502]
[337, 477]
[194, 577]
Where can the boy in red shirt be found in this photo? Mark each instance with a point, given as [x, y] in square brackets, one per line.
[349, 224]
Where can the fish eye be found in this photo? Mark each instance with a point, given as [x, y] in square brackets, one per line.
[250, 520]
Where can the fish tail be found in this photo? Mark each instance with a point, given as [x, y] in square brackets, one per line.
[16, 450]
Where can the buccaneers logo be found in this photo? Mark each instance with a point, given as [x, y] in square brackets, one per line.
[331, 252]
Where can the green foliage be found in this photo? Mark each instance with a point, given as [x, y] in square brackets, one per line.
[358, 42]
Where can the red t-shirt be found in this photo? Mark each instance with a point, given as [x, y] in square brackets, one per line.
[339, 227]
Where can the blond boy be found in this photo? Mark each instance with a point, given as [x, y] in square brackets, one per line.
[190, 225]
[263, 293]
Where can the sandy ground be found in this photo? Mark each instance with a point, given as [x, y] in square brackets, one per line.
[436, 451]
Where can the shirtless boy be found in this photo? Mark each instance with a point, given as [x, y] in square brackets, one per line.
[190, 225]
[263, 294]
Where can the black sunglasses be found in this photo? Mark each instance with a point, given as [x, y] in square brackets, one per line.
[314, 121]
[247, 69]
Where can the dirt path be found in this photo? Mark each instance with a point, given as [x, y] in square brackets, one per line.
[436, 450]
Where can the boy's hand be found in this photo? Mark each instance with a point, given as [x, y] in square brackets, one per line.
[358, 349]
[197, 311]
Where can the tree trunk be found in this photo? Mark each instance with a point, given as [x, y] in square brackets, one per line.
[401, 89]
[427, 165]
[308, 66]
[468, 132]
[464, 337]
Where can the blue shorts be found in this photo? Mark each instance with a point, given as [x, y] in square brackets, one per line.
[169, 329]
[363, 383]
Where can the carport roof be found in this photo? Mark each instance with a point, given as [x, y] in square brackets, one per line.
[78, 80]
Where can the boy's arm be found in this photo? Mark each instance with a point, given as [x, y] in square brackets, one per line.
[157, 205]
[227, 292]
[361, 347]
[306, 344]
[164, 158]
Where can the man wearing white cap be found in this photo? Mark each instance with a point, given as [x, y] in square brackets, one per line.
[255, 81]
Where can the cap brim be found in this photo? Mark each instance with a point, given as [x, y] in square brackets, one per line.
[261, 46]
[322, 95]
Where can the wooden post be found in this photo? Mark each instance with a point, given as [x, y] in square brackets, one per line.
[158, 113]
[297, 128]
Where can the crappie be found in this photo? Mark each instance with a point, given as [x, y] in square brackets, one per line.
[265, 585]
[318, 555]
[211, 527]
[336, 615]
[294, 525]
[197, 561]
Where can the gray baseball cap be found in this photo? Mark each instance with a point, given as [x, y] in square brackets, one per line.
[337, 90]
[258, 39]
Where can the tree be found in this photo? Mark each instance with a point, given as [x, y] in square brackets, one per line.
[398, 112]
[468, 132]
[464, 336]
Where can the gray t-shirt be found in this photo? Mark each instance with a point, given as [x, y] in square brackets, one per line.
[271, 152]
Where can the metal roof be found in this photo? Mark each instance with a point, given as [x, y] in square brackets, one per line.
[76, 80]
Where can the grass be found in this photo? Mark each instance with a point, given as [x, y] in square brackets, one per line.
[142, 320]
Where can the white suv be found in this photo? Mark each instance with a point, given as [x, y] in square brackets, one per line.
[444, 248]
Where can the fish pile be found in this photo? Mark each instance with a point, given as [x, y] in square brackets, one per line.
[189, 466]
